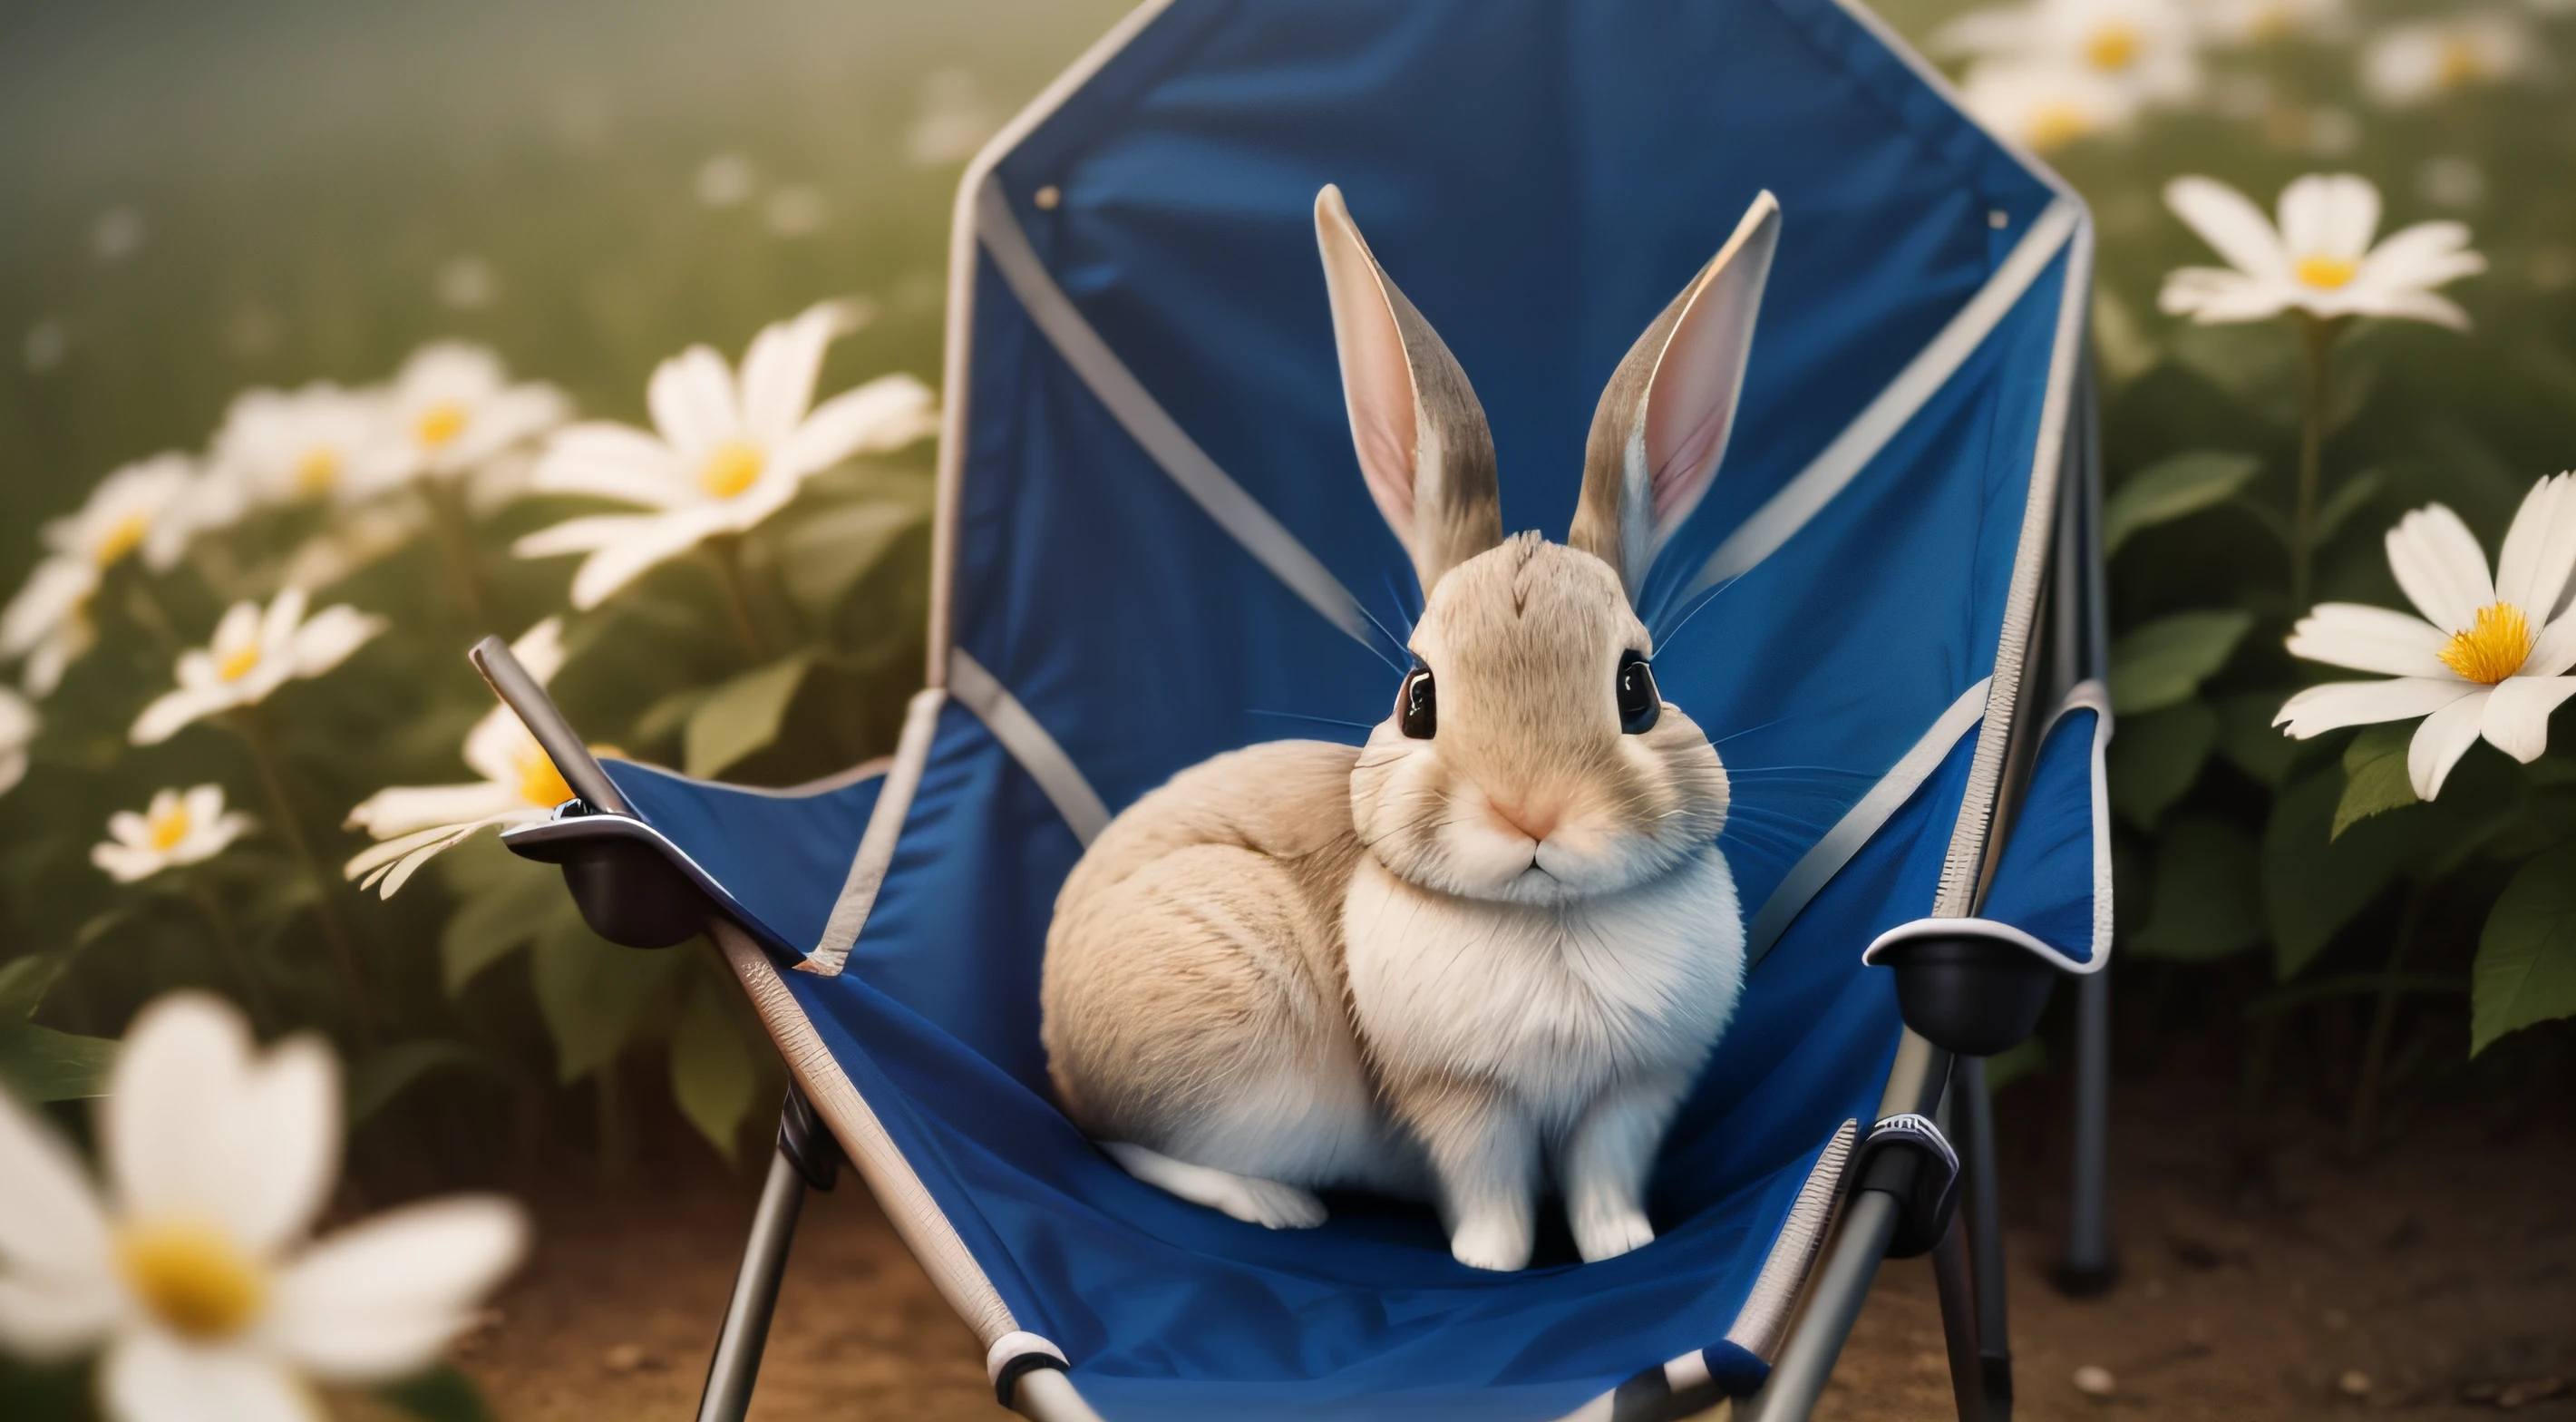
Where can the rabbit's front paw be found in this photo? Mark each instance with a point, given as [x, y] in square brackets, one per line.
[1606, 1231]
[1491, 1242]
[1269, 1203]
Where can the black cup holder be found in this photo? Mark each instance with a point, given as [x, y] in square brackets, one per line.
[628, 890]
[1973, 995]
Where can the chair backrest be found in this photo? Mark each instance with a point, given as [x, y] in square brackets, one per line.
[1155, 539]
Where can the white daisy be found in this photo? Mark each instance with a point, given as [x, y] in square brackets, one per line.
[2319, 260]
[2257, 22]
[134, 510]
[193, 1271]
[252, 654]
[177, 828]
[2486, 657]
[279, 446]
[18, 727]
[2413, 64]
[2147, 47]
[520, 785]
[452, 407]
[726, 452]
[2043, 106]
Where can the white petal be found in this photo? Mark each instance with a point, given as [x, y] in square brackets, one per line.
[53, 592]
[50, 1221]
[2395, 304]
[404, 809]
[150, 1377]
[195, 1126]
[2554, 650]
[175, 709]
[2439, 564]
[778, 371]
[2372, 639]
[653, 540]
[2424, 255]
[2232, 225]
[581, 535]
[2539, 549]
[506, 418]
[612, 462]
[46, 1318]
[692, 399]
[381, 1298]
[2338, 704]
[2516, 720]
[540, 649]
[13, 767]
[2215, 296]
[330, 637]
[886, 413]
[2331, 215]
[277, 625]
[498, 748]
[2445, 736]
[127, 864]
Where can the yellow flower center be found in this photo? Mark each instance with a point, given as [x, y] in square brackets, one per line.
[731, 469]
[439, 423]
[2493, 648]
[236, 664]
[121, 539]
[318, 470]
[2272, 22]
[169, 829]
[2325, 273]
[540, 784]
[2057, 124]
[2112, 47]
[2461, 63]
[192, 1277]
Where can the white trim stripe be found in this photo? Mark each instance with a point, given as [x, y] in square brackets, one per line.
[1029, 744]
[875, 854]
[1963, 871]
[1154, 430]
[1765, 1315]
[1813, 487]
[1995, 929]
[1861, 822]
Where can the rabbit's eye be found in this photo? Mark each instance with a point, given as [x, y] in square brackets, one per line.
[1417, 705]
[1640, 704]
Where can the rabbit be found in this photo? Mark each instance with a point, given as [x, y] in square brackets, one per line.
[1500, 937]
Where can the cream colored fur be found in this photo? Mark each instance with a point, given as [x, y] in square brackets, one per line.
[1444, 967]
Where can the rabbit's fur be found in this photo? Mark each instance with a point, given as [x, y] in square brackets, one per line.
[1434, 966]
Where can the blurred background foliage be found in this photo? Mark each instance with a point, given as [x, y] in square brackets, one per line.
[208, 198]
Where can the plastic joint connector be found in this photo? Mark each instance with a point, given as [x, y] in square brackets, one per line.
[807, 1142]
[1907, 1156]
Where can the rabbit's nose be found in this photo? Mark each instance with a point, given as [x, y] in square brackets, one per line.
[1538, 824]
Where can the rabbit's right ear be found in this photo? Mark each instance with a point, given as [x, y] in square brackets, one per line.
[1421, 436]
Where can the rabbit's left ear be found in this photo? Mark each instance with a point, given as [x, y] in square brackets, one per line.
[1663, 421]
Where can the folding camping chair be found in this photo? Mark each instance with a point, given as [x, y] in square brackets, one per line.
[1151, 543]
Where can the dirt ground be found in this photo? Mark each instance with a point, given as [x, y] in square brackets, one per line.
[2437, 1281]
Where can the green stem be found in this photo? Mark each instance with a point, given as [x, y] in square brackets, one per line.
[456, 549]
[253, 730]
[228, 946]
[2383, 1025]
[146, 609]
[2317, 341]
[725, 551]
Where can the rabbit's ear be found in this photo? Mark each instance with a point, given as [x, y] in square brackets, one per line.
[1423, 445]
[1663, 421]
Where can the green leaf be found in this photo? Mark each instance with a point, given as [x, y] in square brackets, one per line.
[2374, 774]
[743, 715]
[670, 714]
[824, 555]
[487, 926]
[2165, 661]
[2172, 488]
[591, 992]
[22, 985]
[2313, 880]
[2526, 968]
[2249, 740]
[41, 1064]
[382, 1077]
[2155, 758]
[442, 1394]
[714, 1075]
[2208, 901]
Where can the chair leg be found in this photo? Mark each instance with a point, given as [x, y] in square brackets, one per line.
[2089, 1266]
[1950, 1271]
[1986, 1239]
[736, 1364]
